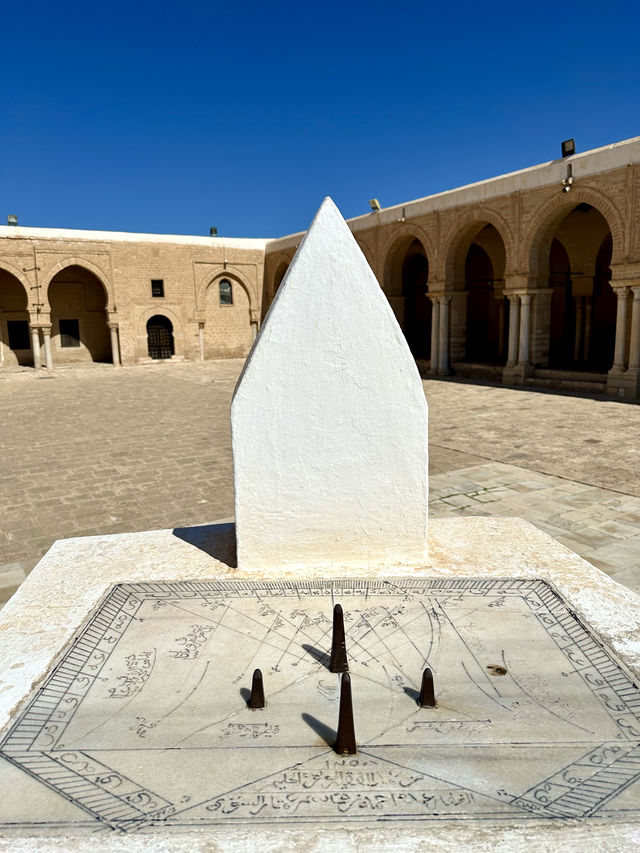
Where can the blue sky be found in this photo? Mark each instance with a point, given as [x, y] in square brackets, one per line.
[168, 117]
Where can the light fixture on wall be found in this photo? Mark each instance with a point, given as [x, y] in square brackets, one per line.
[12, 219]
[567, 182]
[568, 147]
[374, 204]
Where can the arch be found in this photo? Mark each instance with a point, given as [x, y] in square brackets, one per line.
[90, 267]
[16, 273]
[537, 238]
[227, 328]
[160, 341]
[406, 276]
[231, 273]
[77, 300]
[397, 243]
[15, 334]
[461, 235]
[280, 273]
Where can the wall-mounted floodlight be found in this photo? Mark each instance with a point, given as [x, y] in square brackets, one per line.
[12, 219]
[374, 204]
[568, 147]
[213, 231]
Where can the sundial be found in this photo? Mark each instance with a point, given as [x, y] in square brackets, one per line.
[312, 676]
[144, 724]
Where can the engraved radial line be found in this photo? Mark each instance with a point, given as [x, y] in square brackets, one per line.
[482, 690]
[235, 630]
[284, 637]
[385, 645]
[402, 629]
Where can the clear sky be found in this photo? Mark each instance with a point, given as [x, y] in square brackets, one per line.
[172, 117]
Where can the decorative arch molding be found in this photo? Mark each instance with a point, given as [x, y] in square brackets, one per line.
[234, 275]
[19, 274]
[90, 267]
[400, 239]
[453, 245]
[162, 311]
[548, 216]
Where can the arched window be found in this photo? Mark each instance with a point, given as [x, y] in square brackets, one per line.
[226, 294]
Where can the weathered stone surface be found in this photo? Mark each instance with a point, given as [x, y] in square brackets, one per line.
[480, 548]
[329, 420]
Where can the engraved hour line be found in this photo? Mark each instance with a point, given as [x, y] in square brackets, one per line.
[540, 704]
[481, 689]
[463, 641]
[399, 628]
[364, 618]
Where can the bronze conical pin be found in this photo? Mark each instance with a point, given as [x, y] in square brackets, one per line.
[427, 698]
[256, 700]
[346, 740]
[339, 662]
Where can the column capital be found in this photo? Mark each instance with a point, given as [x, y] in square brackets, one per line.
[113, 324]
[513, 296]
[621, 290]
[635, 289]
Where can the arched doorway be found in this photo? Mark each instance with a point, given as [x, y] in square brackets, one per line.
[15, 341]
[79, 331]
[160, 341]
[406, 284]
[487, 309]
[583, 304]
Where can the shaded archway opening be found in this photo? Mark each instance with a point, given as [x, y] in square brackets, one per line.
[406, 276]
[160, 342]
[583, 304]
[417, 305]
[79, 330]
[15, 338]
[487, 309]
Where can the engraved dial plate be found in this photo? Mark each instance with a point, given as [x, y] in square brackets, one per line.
[144, 726]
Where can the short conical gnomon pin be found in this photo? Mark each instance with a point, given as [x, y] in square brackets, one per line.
[346, 740]
[256, 700]
[427, 698]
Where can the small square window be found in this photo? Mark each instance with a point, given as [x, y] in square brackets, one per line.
[157, 287]
[18, 334]
[69, 333]
[226, 295]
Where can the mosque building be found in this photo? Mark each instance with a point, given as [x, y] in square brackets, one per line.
[528, 278]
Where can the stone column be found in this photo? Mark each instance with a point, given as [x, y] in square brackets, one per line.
[514, 328]
[621, 329]
[525, 329]
[46, 334]
[577, 340]
[435, 333]
[254, 317]
[501, 326]
[35, 346]
[443, 358]
[634, 348]
[201, 340]
[115, 346]
[588, 313]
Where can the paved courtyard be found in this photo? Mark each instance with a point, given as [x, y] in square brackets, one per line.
[99, 450]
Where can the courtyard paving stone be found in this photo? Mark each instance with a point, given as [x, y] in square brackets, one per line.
[89, 450]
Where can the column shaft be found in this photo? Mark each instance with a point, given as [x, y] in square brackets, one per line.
[115, 348]
[443, 359]
[634, 349]
[525, 328]
[35, 346]
[435, 333]
[577, 340]
[514, 329]
[46, 333]
[201, 340]
[621, 329]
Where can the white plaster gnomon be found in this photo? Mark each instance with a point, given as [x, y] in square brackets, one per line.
[329, 420]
